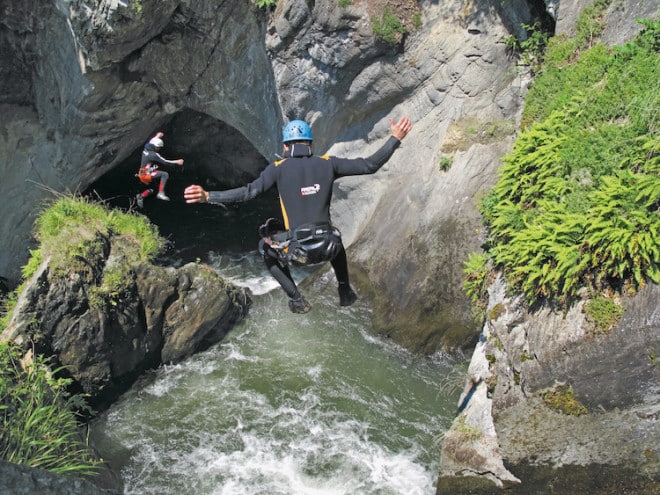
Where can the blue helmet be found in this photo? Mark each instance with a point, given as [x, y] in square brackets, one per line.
[297, 130]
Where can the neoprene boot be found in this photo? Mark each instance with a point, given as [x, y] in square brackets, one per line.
[346, 295]
[299, 305]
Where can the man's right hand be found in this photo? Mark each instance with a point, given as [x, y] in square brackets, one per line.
[195, 194]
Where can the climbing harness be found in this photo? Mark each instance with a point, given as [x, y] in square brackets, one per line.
[144, 174]
[309, 244]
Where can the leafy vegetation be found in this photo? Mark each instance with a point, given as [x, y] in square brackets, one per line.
[589, 24]
[38, 418]
[577, 203]
[531, 48]
[445, 163]
[476, 270]
[388, 27]
[265, 4]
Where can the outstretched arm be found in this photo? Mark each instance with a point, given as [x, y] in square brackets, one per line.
[196, 194]
[371, 164]
[157, 157]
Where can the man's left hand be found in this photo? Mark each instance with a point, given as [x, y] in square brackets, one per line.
[401, 128]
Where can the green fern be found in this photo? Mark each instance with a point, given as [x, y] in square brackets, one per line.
[577, 202]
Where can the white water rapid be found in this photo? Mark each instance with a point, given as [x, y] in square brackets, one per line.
[286, 404]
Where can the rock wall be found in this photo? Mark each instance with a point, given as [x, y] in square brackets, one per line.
[505, 435]
[24, 480]
[99, 81]
[522, 354]
[90, 85]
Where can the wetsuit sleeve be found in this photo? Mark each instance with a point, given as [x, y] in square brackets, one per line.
[156, 157]
[244, 193]
[369, 165]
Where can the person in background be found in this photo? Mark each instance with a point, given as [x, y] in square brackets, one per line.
[304, 182]
[149, 172]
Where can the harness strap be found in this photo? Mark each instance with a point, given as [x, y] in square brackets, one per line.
[303, 233]
[281, 236]
[307, 244]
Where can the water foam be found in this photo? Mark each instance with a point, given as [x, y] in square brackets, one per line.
[286, 404]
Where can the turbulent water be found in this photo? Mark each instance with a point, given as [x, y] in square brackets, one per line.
[286, 404]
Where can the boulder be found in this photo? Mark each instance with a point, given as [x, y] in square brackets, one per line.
[162, 315]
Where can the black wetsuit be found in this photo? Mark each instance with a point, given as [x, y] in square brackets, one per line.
[304, 182]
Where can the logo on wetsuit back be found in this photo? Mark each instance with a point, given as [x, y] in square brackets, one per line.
[307, 190]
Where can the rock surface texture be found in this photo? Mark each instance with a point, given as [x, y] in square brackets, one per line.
[89, 85]
[24, 480]
[162, 316]
[89, 82]
[524, 354]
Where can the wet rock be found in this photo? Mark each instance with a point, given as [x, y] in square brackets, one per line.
[24, 480]
[162, 315]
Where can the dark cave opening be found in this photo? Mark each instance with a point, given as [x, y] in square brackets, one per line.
[216, 156]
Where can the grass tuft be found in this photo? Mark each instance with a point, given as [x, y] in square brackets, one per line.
[39, 426]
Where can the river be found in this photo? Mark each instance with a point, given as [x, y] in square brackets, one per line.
[286, 403]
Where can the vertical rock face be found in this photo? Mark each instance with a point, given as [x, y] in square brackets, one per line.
[90, 85]
[101, 79]
[609, 418]
[560, 404]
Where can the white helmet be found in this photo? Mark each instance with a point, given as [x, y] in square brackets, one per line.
[157, 142]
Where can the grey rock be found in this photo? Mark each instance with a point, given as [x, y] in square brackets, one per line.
[523, 353]
[16, 479]
[163, 315]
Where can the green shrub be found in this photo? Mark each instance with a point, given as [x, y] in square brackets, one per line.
[388, 27]
[533, 47]
[589, 24]
[266, 4]
[445, 163]
[38, 419]
[417, 20]
[478, 273]
[577, 200]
